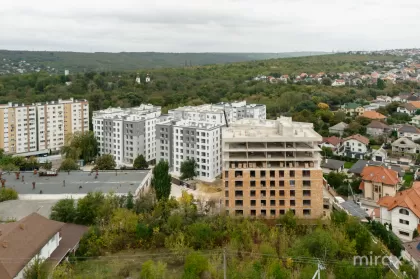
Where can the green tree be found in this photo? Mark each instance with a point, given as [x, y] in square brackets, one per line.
[64, 211]
[105, 162]
[7, 194]
[88, 208]
[161, 181]
[195, 264]
[336, 179]
[140, 163]
[327, 152]
[189, 169]
[82, 146]
[69, 164]
[152, 270]
[37, 270]
[129, 203]
[380, 84]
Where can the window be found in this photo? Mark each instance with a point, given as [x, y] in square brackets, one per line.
[292, 183]
[282, 211]
[306, 202]
[306, 212]
[292, 193]
[281, 183]
[404, 233]
[292, 202]
[252, 193]
[306, 173]
[272, 203]
[252, 183]
[306, 183]
[262, 174]
[405, 222]
[281, 202]
[281, 193]
[281, 173]
[292, 173]
[404, 211]
[272, 193]
[253, 202]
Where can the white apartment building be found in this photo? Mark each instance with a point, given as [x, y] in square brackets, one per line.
[127, 133]
[178, 141]
[206, 120]
[57, 121]
[215, 113]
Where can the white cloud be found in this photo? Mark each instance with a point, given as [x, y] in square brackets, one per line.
[209, 26]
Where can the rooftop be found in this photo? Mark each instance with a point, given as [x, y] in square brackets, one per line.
[339, 126]
[408, 199]
[373, 115]
[359, 138]
[380, 174]
[332, 164]
[197, 124]
[282, 128]
[122, 183]
[141, 112]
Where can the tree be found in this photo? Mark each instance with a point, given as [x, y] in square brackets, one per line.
[326, 81]
[140, 163]
[82, 146]
[105, 162]
[189, 169]
[327, 152]
[336, 179]
[37, 270]
[88, 208]
[64, 211]
[7, 194]
[152, 270]
[69, 164]
[195, 264]
[161, 181]
[380, 84]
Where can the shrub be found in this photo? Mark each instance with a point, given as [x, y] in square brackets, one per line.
[7, 194]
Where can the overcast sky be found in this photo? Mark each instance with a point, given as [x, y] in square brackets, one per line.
[209, 26]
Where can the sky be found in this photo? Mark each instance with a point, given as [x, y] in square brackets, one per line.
[209, 26]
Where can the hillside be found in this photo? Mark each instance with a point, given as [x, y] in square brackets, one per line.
[102, 61]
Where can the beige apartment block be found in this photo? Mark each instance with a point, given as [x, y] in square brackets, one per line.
[272, 166]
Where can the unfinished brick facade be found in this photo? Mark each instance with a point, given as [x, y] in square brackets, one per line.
[272, 168]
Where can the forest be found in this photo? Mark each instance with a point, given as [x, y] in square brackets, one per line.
[126, 61]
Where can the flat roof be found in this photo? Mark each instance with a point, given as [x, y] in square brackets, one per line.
[18, 209]
[124, 182]
[283, 128]
[354, 209]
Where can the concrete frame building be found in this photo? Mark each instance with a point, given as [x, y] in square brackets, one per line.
[127, 133]
[41, 127]
[272, 166]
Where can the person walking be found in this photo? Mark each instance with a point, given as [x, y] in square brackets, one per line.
[33, 185]
[64, 183]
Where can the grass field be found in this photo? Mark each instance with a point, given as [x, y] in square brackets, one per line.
[348, 165]
[126, 264]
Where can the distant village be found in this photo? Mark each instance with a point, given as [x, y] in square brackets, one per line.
[408, 70]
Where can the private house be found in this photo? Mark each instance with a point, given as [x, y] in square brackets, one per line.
[352, 109]
[329, 165]
[408, 131]
[384, 99]
[35, 236]
[379, 155]
[339, 82]
[374, 115]
[402, 211]
[338, 128]
[378, 182]
[377, 128]
[407, 108]
[405, 145]
[355, 146]
[331, 142]
[358, 167]
[416, 121]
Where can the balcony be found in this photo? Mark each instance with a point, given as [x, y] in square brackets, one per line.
[237, 146]
[256, 146]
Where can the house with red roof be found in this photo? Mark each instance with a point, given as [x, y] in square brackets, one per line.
[402, 211]
[331, 142]
[378, 182]
[355, 146]
[339, 82]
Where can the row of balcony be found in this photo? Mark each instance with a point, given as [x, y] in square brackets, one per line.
[271, 164]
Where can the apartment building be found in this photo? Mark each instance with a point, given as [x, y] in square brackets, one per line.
[178, 141]
[215, 113]
[127, 133]
[58, 120]
[201, 126]
[18, 122]
[272, 166]
[41, 126]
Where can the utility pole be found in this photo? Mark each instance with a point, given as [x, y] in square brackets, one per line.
[224, 264]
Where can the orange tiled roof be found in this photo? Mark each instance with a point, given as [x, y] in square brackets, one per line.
[358, 137]
[380, 174]
[362, 185]
[332, 140]
[373, 115]
[416, 104]
[408, 199]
